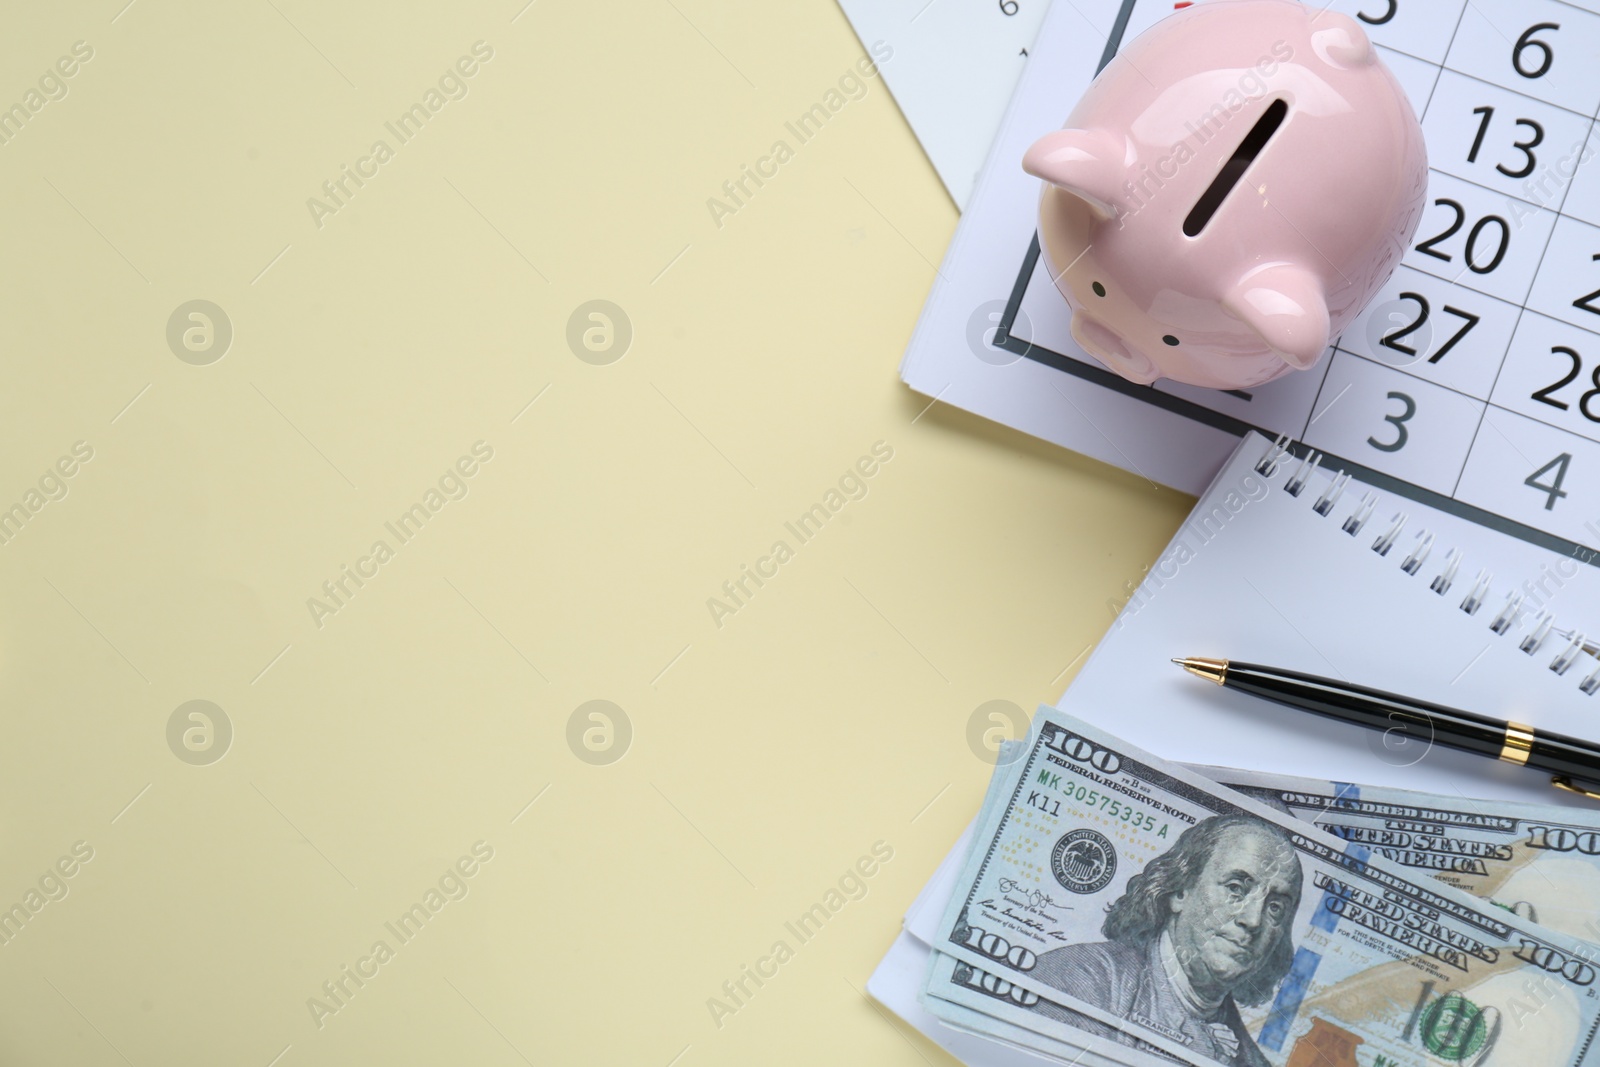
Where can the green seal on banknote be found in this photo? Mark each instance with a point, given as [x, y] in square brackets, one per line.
[1453, 1028]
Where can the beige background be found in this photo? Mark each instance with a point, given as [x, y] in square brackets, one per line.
[367, 355]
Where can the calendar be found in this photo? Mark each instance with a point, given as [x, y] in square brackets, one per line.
[1471, 382]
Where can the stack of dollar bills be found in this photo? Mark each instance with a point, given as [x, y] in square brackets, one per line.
[1115, 908]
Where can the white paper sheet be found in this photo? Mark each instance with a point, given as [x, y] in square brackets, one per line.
[955, 65]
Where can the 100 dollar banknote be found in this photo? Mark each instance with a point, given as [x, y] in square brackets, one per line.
[966, 998]
[1165, 910]
[1540, 860]
[971, 999]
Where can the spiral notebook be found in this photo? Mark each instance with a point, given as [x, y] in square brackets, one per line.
[1288, 561]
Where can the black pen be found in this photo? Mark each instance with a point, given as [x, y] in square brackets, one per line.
[1563, 758]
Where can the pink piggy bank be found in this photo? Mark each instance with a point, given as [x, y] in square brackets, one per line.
[1230, 193]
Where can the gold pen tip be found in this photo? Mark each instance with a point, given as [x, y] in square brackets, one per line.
[1212, 670]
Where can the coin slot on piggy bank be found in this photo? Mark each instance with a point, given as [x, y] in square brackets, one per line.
[1234, 168]
[1230, 193]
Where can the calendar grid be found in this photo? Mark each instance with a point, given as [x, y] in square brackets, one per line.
[1485, 81]
[1473, 77]
[1477, 402]
[1522, 308]
[1322, 382]
[1521, 305]
[1312, 413]
[1427, 439]
[1557, 322]
[1575, 7]
[1439, 72]
[1501, 192]
[1455, 279]
[1453, 389]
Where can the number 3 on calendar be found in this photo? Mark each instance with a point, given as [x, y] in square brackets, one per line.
[1408, 408]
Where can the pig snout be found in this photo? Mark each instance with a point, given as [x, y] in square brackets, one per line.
[1106, 345]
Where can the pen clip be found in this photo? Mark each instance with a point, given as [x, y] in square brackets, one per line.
[1561, 781]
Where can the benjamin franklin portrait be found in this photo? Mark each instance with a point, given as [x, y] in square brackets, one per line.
[1201, 930]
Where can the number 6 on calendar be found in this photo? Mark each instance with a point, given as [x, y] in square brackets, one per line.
[1530, 56]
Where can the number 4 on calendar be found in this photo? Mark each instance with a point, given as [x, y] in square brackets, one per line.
[1586, 301]
[1557, 470]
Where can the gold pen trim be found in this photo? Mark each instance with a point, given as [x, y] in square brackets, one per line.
[1212, 670]
[1518, 743]
[1561, 781]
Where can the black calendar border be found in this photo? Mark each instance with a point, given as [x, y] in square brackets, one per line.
[1106, 379]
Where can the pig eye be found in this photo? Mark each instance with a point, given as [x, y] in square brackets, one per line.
[1099, 290]
[1171, 340]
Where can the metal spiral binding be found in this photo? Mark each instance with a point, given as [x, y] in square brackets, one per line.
[1531, 643]
[1359, 517]
[1384, 543]
[1418, 555]
[1508, 615]
[1575, 645]
[1441, 582]
[1480, 592]
[1563, 663]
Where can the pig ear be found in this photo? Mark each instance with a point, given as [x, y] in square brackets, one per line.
[1086, 163]
[1285, 305]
